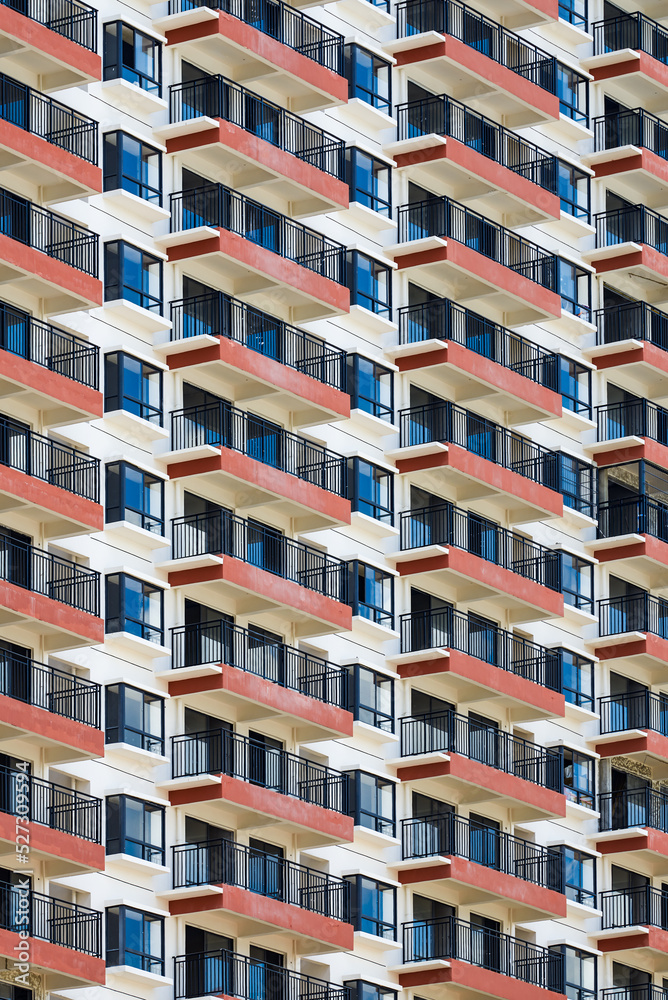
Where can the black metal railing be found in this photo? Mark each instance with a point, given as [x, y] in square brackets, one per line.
[638, 417]
[220, 315]
[213, 973]
[49, 347]
[632, 321]
[220, 207]
[462, 529]
[47, 118]
[69, 18]
[634, 710]
[224, 862]
[443, 319]
[450, 17]
[49, 233]
[631, 31]
[223, 752]
[442, 115]
[47, 919]
[645, 992]
[631, 127]
[635, 807]
[449, 732]
[49, 575]
[224, 642]
[218, 97]
[224, 426]
[466, 633]
[451, 220]
[639, 515]
[54, 806]
[452, 835]
[633, 613]
[632, 224]
[640, 906]
[54, 463]
[451, 938]
[46, 687]
[280, 21]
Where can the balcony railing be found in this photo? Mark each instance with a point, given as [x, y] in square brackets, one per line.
[220, 207]
[220, 315]
[449, 17]
[466, 633]
[49, 575]
[462, 529]
[46, 687]
[632, 321]
[634, 613]
[224, 426]
[443, 115]
[448, 732]
[223, 752]
[640, 515]
[641, 906]
[218, 97]
[645, 992]
[49, 347]
[451, 938]
[452, 835]
[637, 710]
[282, 22]
[69, 18]
[212, 973]
[634, 127]
[47, 919]
[224, 642]
[449, 220]
[51, 462]
[54, 806]
[635, 807]
[638, 417]
[632, 224]
[224, 862]
[40, 115]
[49, 233]
[631, 31]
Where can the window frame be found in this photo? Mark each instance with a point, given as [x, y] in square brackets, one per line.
[581, 699]
[582, 953]
[113, 180]
[123, 618]
[572, 108]
[371, 301]
[582, 795]
[574, 403]
[369, 404]
[370, 199]
[121, 949]
[374, 992]
[114, 70]
[377, 614]
[147, 411]
[149, 522]
[149, 851]
[570, 301]
[139, 296]
[582, 601]
[381, 720]
[149, 741]
[365, 505]
[380, 824]
[570, 15]
[358, 918]
[580, 894]
[570, 205]
[356, 89]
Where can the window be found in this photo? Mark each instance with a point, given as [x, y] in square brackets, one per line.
[368, 78]
[372, 697]
[369, 181]
[133, 166]
[373, 907]
[135, 717]
[136, 828]
[135, 938]
[132, 274]
[136, 496]
[573, 190]
[134, 606]
[579, 876]
[576, 483]
[372, 802]
[131, 55]
[573, 93]
[370, 489]
[579, 973]
[133, 385]
[575, 386]
[577, 582]
[370, 284]
[574, 12]
[371, 593]
[361, 990]
[577, 679]
[579, 778]
[371, 387]
[575, 289]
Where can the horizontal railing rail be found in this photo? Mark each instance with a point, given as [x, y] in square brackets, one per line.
[638, 417]
[220, 315]
[458, 836]
[645, 992]
[49, 347]
[631, 127]
[224, 426]
[635, 807]
[223, 752]
[631, 31]
[213, 973]
[224, 642]
[50, 461]
[633, 613]
[218, 97]
[634, 710]
[49, 233]
[54, 806]
[73, 20]
[47, 118]
[632, 224]
[49, 575]
[224, 862]
[640, 515]
[68, 925]
[639, 906]
[55, 691]
[632, 321]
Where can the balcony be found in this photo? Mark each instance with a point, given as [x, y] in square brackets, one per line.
[634, 528]
[632, 339]
[463, 556]
[480, 962]
[218, 447]
[636, 726]
[508, 176]
[258, 252]
[635, 926]
[441, 343]
[53, 41]
[481, 764]
[44, 595]
[478, 865]
[631, 155]
[632, 250]
[460, 657]
[635, 820]
[633, 429]
[52, 929]
[311, 905]
[64, 826]
[218, 666]
[463, 255]
[272, 45]
[633, 631]
[258, 787]
[45, 257]
[225, 973]
[266, 147]
[629, 60]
